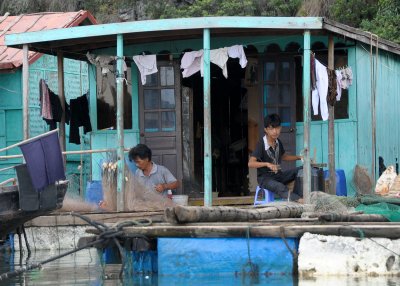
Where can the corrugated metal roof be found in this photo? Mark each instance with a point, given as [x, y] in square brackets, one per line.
[11, 58]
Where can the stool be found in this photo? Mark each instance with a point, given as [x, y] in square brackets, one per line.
[268, 196]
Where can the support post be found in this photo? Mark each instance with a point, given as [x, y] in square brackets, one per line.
[207, 119]
[331, 126]
[61, 95]
[307, 117]
[25, 92]
[120, 124]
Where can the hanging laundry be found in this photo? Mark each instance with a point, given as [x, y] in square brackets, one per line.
[44, 160]
[146, 65]
[102, 61]
[79, 117]
[45, 110]
[237, 51]
[332, 87]
[347, 77]
[220, 58]
[338, 84]
[312, 72]
[190, 62]
[320, 93]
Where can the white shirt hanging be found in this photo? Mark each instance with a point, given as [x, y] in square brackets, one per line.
[146, 64]
[237, 51]
[320, 93]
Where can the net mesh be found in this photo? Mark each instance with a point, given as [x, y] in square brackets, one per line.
[137, 196]
[365, 201]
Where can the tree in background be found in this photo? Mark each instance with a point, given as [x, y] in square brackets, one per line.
[380, 17]
[386, 23]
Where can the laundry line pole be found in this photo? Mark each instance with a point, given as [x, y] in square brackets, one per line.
[331, 126]
[25, 91]
[207, 119]
[306, 117]
[120, 76]
[61, 96]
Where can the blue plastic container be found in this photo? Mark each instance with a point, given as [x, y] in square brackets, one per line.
[341, 188]
[94, 192]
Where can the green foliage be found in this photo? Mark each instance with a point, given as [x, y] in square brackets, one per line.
[386, 23]
[204, 8]
[353, 12]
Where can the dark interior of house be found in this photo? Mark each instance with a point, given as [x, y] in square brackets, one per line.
[228, 128]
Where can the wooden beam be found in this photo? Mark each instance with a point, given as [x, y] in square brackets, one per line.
[306, 117]
[259, 230]
[61, 126]
[207, 120]
[25, 92]
[331, 125]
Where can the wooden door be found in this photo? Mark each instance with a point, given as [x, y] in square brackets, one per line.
[279, 96]
[160, 117]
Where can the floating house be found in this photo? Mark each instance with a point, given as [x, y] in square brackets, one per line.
[204, 125]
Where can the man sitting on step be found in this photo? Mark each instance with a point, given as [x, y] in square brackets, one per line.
[267, 158]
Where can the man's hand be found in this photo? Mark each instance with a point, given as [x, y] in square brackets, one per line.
[159, 188]
[274, 168]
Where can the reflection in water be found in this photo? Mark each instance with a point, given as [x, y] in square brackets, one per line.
[85, 268]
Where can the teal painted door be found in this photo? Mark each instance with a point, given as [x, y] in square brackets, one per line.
[160, 117]
[279, 96]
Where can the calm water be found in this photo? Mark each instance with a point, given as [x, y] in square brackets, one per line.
[85, 268]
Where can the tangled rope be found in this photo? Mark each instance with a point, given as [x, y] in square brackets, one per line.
[113, 234]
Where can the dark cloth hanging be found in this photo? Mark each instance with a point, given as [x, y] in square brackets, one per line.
[57, 111]
[79, 117]
[51, 106]
[44, 161]
[332, 87]
[312, 72]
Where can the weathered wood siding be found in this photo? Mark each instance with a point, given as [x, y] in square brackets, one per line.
[387, 105]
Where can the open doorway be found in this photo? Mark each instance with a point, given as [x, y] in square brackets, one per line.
[228, 130]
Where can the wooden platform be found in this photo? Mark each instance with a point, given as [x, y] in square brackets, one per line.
[66, 219]
[224, 201]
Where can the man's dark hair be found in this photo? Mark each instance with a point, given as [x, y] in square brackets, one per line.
[141, 151]
[272, 120]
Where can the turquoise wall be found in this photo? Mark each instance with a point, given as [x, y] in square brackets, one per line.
[386, 105]
[10, 118]
[76, 83]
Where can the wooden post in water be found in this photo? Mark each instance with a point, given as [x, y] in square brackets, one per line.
[331, 126]
[61, 95]
[120, 76]
[207, 120]
[25, 92]
[307, 117]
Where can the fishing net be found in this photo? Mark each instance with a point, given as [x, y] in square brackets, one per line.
[388, 210]
[137, 196]
[366, 201]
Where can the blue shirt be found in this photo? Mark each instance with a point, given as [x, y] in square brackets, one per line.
[158, 175]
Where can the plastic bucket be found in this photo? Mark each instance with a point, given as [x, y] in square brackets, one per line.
[94, 192]
[180, 199]
[341, 188]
